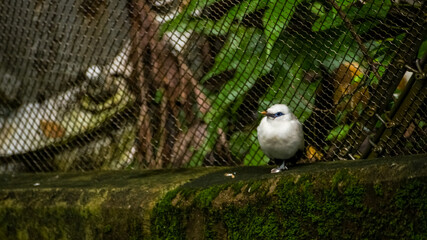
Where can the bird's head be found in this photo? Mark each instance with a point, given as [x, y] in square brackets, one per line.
[278, 111]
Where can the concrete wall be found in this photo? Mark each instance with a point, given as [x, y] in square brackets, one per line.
[373, 199]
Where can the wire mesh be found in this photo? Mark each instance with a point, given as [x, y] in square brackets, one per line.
[115, 84]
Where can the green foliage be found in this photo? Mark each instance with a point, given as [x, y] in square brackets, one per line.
[276, 18]
[242, 52]
[291, 38]
[374, 8]
[245, 144]
[423, 49]
[339, 132]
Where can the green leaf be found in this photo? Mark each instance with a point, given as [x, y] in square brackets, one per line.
[345, 48]
[374, 8]
[245, 147]
[237, 12]
[381, 52]
[159, 95]
[381, 70]
[345, 3]
[339, 132]
[318, 9]
[326, 21]
[288, 88]
[276, 19]
[211, 27]
[423, 49]
[245, 54]
[230, 21]
[296, 56]
[230, 54]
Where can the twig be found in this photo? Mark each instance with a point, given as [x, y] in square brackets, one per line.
[356, 36]
[159, 163]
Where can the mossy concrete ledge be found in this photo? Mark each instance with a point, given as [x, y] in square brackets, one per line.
[372, 199]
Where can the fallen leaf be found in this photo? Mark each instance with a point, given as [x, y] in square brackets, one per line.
[313, 155]
[52, 129]
[344, 83]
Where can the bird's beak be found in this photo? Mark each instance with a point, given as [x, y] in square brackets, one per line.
[263, 113]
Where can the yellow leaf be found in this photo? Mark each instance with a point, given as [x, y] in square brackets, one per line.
[313, 155]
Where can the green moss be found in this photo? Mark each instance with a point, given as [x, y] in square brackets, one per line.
[48, 217]
[410, 202]
[250, 223]
[255, 186]
[378, 188]
[337, 206]
[204, 197]
[238, 187]
[168, 223]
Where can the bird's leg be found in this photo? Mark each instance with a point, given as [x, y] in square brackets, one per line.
[280, 168]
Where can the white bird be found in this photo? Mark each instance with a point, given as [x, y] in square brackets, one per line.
[280, 136]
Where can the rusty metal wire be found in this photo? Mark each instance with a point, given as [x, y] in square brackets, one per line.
[129, 84]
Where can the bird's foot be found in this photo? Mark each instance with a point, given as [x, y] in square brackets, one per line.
[279, 169]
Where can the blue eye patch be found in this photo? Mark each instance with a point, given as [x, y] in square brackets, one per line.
[278, 114]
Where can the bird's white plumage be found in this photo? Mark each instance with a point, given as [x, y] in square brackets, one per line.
[280, 137]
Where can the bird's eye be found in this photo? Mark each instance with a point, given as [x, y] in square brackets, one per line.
[278, 114]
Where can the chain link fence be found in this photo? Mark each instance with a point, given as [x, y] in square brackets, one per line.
[115, 84]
